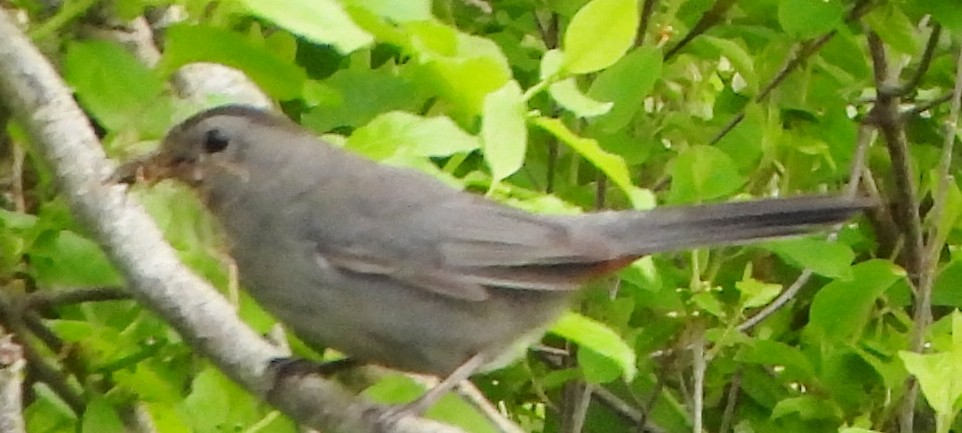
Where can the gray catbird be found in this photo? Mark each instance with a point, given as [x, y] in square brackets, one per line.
[392, 267]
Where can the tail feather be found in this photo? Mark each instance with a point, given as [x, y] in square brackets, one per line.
[675, 228]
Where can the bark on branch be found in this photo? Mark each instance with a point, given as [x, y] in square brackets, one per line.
[39, 99]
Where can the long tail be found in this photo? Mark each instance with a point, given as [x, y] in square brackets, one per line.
[676, 228]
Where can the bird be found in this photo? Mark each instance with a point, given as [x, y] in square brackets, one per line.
[392, 267]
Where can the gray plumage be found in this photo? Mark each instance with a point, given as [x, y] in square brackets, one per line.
[392, 267]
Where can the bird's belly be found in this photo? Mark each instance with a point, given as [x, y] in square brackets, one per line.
[377, 320]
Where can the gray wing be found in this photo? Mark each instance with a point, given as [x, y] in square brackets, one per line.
[463, 246]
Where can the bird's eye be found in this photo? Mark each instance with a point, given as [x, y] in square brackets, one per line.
[215, 141]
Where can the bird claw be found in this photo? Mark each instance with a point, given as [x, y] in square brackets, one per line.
[291, 366]
[388, 417]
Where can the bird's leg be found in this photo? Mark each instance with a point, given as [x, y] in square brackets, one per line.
[423, 403]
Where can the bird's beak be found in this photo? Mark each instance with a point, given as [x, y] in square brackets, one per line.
[152, 168]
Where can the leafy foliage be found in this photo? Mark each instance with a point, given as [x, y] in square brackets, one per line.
[553, 106]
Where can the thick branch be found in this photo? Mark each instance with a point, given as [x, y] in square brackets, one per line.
[40, 369]
[886, 117]
[63, 136]
[11, 385]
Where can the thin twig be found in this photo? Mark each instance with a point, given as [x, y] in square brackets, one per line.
[601, 185]
[647, 9]
[621, 408]
[665, 364]
[38, 367]
[935, 237]
[51, 298]
[731, 401]
[580, 411]
[699, 365]
[778, 302]
[802, 52]
[930, 258]
[136, 418]
[473, 395]
[926, 105]
[551, 163]
[69, 359]
[886, 230]
[864, 140]
[924, 62]
[728, 127]
[885, 116]
[19, 156]
[35, 325]
[708, 20]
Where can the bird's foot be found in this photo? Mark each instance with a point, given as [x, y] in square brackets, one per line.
[300, 366]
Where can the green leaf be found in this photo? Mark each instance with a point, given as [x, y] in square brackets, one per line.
[551, 63]
[947, 291]
[16, 220]
[216, 404]
[100, 417]
[503, 130]
[610, 164]
[807, 407]
[755, 293]
[739, 56]
[804, 19]
[625, 84]
[150, 383]
[745, 143]
[940, 374]
[946, 12]
[706, 301]
[187, 225]
[397, 11]
[894, 28]
[208, 404]
[116, 88]
[831, 259]
[464, 69]
[185, 44]
[48, 412]
[599, 34]
[775, 353]
[72, 331]
[63, 258]
[595, 336]
[597, 368]
[167, 418]
[569, 96]
[951, 208]
[400, 132]
[320, 21]
[352, 97]
[841, 308]
[396, 388]
[703, 173]
[15, 228]
[634, 149]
